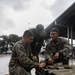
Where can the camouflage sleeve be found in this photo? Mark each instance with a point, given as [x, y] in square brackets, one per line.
[48, 52]
[23, 58]
[66, 50]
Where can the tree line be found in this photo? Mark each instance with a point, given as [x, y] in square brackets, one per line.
[11, 39]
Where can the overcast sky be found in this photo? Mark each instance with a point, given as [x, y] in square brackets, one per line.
[16, 16]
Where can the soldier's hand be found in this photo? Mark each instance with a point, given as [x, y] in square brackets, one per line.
[56, 56]
[34, 58]
[41, 61]
[42, 65]
[50, 60]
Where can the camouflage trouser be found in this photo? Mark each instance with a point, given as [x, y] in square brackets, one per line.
[63, 59]
[18, 71]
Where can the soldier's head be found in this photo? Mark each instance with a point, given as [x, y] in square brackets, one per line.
[40, 30]
[54, 33]
[28, 37]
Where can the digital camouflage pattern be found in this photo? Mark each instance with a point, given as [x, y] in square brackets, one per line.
[62, 46]
[21, 60]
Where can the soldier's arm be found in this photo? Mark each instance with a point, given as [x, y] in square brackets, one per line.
[40, 44]
[66, 48]
[23, 58]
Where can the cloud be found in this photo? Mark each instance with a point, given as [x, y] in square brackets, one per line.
[18, 15]
[58, 6]
[28, 19]
[5, 22]
[17, 4]
[7, 9]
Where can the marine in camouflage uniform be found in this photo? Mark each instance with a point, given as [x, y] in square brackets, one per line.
[39, 36]
[21, 61]
[58, 48]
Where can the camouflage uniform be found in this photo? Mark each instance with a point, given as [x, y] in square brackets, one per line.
[37, 43]
[21, 62]
[62, 46]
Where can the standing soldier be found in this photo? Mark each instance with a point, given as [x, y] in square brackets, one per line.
[39, 35]
[37, 43]
[21, 61]
[57, 50]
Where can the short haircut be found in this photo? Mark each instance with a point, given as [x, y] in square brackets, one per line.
[54, 30]
[40, 27]
[28, 33]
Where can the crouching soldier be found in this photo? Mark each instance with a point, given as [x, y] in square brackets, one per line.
[21, 61]
[57, 50]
